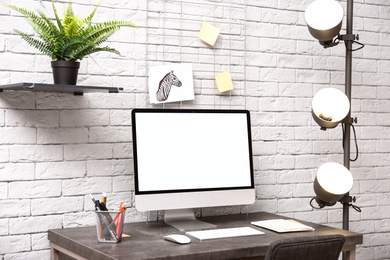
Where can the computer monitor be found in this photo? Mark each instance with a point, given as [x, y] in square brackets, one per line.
[186, 159]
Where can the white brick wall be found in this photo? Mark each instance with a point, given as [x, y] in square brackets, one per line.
[56, 149]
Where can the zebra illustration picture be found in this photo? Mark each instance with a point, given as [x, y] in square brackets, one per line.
[165, 85]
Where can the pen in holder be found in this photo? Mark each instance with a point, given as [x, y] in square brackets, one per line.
[109, 225]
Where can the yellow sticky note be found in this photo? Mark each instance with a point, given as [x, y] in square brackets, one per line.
[208, 33]
[224, 81]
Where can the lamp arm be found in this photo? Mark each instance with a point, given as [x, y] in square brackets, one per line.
[346, 38]
[330, 43]
[350, 38]
[347, 201]
[349, 120]
[321, 204]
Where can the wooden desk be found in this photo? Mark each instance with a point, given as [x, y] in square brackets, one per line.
[146, 241]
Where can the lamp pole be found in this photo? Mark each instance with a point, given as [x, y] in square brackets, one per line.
[347, 133]
[348, 84]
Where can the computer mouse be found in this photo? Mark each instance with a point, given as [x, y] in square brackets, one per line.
[177, 238]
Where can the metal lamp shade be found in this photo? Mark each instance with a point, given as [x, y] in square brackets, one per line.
[332, 182]
[329, 107]
[324, 19]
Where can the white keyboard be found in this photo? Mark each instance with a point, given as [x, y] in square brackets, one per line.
[224, 233]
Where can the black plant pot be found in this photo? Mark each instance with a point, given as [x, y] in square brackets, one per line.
[65, 72]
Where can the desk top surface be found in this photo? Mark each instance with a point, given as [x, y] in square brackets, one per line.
[146, 240]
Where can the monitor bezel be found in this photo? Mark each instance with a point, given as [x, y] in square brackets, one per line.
[211, 111]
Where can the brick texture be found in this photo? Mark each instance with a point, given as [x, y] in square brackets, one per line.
[56, 149]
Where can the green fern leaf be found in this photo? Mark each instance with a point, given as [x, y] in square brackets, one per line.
[58, 20]
[98, 30]
[88, 20]
[41, 46]
[89, 51]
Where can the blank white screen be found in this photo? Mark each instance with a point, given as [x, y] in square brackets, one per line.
[181, 151]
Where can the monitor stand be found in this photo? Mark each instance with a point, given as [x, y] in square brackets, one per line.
[184, 219]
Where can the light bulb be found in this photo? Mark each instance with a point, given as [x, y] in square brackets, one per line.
[329, 107]
[326, 113]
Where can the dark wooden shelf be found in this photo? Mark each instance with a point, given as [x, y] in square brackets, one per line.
[75, 89]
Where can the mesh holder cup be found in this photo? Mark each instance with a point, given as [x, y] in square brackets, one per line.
[109, 225]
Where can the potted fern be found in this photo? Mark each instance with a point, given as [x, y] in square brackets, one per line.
[68, 41]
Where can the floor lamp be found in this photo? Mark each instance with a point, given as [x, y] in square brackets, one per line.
[324, 21]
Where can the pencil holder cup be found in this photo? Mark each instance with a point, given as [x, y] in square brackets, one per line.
[109, 225]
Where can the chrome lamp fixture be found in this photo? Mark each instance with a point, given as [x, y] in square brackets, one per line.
[331, 106]
[331, 184]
